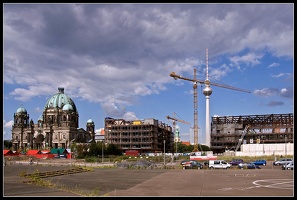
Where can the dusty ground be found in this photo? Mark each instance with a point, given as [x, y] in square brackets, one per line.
[268, 181]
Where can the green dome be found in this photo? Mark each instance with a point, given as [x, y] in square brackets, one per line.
[21, 110]
[68, 107]
[59, 100]
[90, 121]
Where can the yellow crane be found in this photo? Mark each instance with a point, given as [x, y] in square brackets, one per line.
[174, 119]
[208, 91]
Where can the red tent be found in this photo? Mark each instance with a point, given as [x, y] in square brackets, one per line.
[40, 153]
[8, 153]
[33, 152]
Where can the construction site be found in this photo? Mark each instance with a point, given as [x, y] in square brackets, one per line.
[144, 136]
[223, 134]
[229, 133]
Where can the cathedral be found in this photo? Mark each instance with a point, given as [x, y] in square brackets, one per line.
[57, 127]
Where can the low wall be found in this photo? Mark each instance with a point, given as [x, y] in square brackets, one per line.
[280, 149]
[203, 157]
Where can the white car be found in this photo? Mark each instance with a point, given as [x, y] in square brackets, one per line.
[282, 161]
[289, 166]
[219, 164]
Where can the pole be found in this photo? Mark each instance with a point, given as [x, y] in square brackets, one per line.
[164, 153]
[263, 144]
[102, 151]
[285, 152]
[70, 157]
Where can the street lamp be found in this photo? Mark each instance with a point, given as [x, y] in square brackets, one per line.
[102, 151]
[164, 153]
[71, 142]
[263, 137]
[285, 151]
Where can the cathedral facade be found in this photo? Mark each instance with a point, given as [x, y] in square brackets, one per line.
[57, 127]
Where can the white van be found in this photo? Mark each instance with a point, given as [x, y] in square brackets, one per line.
[218, 164]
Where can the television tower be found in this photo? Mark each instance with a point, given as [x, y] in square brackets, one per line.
[207, 92]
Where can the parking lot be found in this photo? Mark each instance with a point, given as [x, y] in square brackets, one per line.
[268, 181]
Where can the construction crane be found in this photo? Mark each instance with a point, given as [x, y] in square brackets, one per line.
[242, 136]
[207, 92]
[174, 119]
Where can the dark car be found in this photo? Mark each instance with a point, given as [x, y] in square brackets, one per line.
[248, 166]
[236, 161]
[192, 164]
[259, 162]
[282, 161]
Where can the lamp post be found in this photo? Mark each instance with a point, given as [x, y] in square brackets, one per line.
[70, 157]
[285, 152]
[71, 142]
[263, 137]
[102, 152]
[164, 153]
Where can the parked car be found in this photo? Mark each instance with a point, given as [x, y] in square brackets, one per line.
[289, 166]
[282, 161]
[248, 166]
[193, 164]
[236, 161]
[184, 161]
[218, 164]
[259, 162]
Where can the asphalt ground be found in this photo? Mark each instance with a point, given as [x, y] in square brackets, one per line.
[269, 181]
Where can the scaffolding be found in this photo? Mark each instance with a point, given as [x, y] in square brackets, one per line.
[269, 128]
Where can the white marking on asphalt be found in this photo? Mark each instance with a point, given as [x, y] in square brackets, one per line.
[287, 184]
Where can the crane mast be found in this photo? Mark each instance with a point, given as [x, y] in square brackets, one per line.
[242, 136]
[207, 91]
[174, 119]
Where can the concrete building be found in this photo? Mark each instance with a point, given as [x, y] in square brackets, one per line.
[228, 133]
[145, 136]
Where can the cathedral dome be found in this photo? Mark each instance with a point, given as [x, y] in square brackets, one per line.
[68, 107]
[21, 110]
[59, 101]
[90, 121]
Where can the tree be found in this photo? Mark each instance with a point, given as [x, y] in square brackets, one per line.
[112, 149]
[95, 149]
[7, 144]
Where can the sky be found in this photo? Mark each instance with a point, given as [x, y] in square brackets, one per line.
[114, 60]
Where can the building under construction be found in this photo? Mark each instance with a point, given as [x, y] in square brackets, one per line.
[229, 132]
[145, 136]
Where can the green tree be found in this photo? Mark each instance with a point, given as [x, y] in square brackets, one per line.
[95, 149]
[82, 150]
[7, 144]
[113, 150]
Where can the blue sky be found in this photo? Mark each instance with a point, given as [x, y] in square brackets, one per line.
[114, 60]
